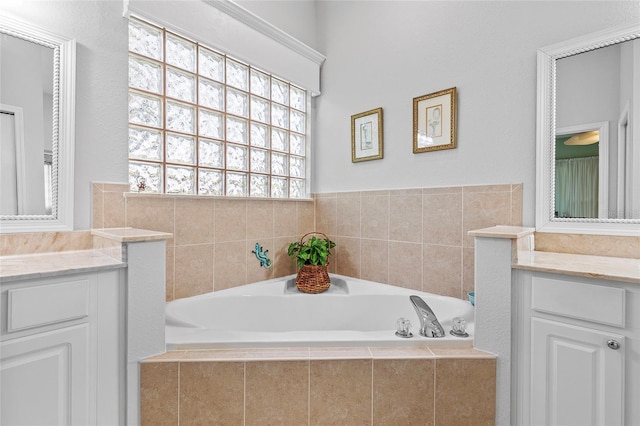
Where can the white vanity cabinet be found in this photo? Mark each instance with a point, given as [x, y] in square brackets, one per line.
[61, 358]
[577, 347]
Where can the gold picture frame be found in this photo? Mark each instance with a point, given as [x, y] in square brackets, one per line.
[434, 121]
[366, 136]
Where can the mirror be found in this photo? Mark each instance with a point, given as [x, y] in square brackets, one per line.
[588, 154]
[37, 124]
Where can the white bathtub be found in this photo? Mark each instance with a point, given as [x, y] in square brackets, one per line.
[274, 313]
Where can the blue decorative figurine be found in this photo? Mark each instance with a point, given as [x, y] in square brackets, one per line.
[261, 255]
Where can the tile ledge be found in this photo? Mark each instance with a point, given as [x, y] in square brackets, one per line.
[130, 235]
[503, 231]
[318, 354]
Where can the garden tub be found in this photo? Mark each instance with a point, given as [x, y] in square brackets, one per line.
[273, 313]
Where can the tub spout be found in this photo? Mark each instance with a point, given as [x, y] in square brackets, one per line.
[429, 324]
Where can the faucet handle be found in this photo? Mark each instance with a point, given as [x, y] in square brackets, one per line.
[403, 328]
[459, 327]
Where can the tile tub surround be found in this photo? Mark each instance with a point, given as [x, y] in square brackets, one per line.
[438, 386]
[414, 238]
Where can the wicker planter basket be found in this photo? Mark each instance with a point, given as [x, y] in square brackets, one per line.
[313, 279]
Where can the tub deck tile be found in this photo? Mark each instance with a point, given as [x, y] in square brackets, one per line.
[399, 352]
[318, 353]
[460, 352]
[339, 353]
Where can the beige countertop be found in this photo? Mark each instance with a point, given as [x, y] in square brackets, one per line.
[608, 268]
[525, 257]
[27, 266]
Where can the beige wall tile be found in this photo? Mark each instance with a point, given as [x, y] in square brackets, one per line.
[347, 257]
[442, 219]
[405, 264]
[97, 205]
[230, 264]
[516, 204]
[152, 213]
[326, 215]
[115, 187]
[230, 220]
[306, 217]
[484, 209]
[277, 392]
[468, 271]
[108, 205]
[211, 393]
[394, 219]
[406, 191]
[403, 391]
[465, 392]
[114, 209]
[170, 273]
[487, 188]
[442, 190]
[194, 221]
[159, 394]
[348, 221]
[282, 264]
[193, 270]
[405, 217]
[260, 219]
[285, 218]
[340, 392]
[375, 217]
[375, 260]
[442, 270]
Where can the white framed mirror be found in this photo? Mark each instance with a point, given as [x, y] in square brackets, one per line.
[37, 128]
[588, 134]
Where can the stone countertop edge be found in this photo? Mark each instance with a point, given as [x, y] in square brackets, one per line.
[41, 265]
[581, 265]
[130, 235]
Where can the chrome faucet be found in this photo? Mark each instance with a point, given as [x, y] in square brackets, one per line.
[429, 324]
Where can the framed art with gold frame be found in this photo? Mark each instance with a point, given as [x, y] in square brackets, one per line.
[434, 121]
[366, 136]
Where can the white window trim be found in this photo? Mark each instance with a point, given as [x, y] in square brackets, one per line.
[226, 26]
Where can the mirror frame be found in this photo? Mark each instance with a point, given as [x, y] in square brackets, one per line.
[63, 136]
[546, 136]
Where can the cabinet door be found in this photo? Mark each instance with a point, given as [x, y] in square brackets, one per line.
[576, 379]
[44, 378]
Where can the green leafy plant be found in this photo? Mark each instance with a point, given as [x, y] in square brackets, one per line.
[314, 251]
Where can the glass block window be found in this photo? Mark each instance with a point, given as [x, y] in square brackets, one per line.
[202, 122]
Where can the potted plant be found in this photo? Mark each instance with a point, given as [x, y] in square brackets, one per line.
[312, 257]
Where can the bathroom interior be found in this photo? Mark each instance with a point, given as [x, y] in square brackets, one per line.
[89, 280]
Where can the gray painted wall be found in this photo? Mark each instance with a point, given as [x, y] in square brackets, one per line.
[379, 54]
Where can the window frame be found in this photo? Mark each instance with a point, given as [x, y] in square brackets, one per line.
[166, 99]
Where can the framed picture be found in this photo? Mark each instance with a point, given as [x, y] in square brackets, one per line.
[434, 121]
[366, 136]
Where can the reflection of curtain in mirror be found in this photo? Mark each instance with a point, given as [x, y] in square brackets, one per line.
[8, 173]
[577, 187]
[48, 184]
